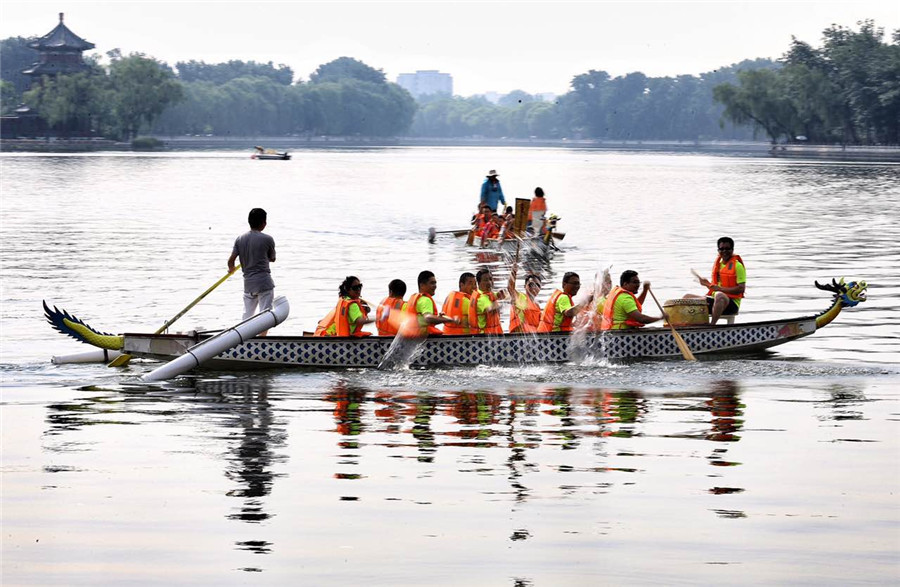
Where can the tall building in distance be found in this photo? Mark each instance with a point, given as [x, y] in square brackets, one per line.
[426, 81]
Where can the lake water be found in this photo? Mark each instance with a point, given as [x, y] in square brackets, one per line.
[776, 469]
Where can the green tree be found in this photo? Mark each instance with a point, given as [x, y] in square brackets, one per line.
[758, 100]
[9, 98]
[15, 56]
[221, 73]
[142, 88]
[72, 104]
[346, 68]
[515, 98]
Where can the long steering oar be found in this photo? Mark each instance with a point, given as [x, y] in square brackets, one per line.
[124, 358]
[682, 346]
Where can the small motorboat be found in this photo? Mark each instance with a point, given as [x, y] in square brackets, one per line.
[270, 154]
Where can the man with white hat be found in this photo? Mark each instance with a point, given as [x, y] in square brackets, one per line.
[491, 192]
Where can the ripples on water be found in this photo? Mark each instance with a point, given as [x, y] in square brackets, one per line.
[336, 477]
[780, 469]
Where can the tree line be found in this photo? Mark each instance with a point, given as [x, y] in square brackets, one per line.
[847, 91]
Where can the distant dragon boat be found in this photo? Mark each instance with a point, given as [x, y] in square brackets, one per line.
[462, 350]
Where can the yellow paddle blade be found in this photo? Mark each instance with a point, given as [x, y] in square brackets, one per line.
[119, 361]
[682, 346]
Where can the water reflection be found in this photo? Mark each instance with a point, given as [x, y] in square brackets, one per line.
[255, 435]
[609, 423]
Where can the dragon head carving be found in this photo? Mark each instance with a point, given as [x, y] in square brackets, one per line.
[849, 294]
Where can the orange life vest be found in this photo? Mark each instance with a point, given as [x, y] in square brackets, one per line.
[491, 319]
[325, 323]
[727, 276]
[342, 318]
[538, 205]
[526, 320]
[453, 308]
[411, 326]
[548, 318]
[607, 322]
[490, 230]
[388, 316]
[478, 222]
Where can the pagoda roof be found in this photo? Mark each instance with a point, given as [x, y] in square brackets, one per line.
[61, 38]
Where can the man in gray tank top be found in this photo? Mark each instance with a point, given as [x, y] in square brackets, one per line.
[255, 250]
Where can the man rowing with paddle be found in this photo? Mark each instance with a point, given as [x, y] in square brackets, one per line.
[389, 315]
[421, 310]
[484, 307]
[561, 310]
[622, 309]
[727, 283]
[255, 250]
[457, 305]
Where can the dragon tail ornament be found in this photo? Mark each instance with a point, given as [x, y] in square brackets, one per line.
[76, 328]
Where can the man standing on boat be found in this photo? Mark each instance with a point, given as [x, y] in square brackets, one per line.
[484, 305]
[727, 283]
[491, 192]
[255, 250]
[623, 308]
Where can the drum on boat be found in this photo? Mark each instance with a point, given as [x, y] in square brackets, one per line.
[687, 312]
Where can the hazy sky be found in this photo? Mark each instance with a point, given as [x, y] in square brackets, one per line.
[485, 46]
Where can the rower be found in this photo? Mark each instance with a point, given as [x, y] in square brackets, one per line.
[560, 309]
[457, 305]
[623, 309]
[349, 315]
[421, 310]
[525, 314]
[389, 314]
[484, 305]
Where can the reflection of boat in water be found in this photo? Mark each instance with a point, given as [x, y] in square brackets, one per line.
[270, 154]
[339, 352]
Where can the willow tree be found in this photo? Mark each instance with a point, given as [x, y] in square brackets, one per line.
[142, 88]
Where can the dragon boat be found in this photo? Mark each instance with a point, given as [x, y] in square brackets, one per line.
[461, 350]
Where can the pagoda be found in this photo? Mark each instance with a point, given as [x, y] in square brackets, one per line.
[60, 52]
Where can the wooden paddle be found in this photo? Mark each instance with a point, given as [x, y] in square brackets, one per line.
[124, 358]
[682, 346]
[457, 233]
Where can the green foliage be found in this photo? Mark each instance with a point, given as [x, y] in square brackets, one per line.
[847, 91]
[147, 144]
[221, 73]
[9, 98]
[344, 68]
[342, 101]
[16, 55]
[141, 89]
[73, 104]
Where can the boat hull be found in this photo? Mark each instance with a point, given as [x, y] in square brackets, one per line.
[465, 350]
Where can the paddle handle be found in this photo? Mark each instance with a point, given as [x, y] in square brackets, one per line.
[196, 301]
[657, 302]
[679, 341]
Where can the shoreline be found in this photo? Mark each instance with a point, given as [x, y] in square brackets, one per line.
[753, 149]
